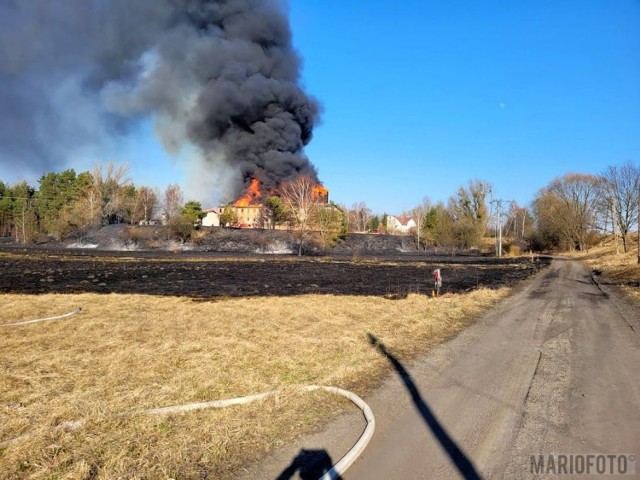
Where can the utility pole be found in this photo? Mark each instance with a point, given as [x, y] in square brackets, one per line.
[500, 205]
[499, 213]
[492, 202]
[614, 216]
[418, 226]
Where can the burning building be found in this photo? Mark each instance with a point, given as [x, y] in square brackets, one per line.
[321, 194]
[249, 207]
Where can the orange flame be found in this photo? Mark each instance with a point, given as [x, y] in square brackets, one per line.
[252, 195]
[320, 193]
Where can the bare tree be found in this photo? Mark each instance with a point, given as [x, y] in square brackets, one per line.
[468, 209]
[418, 214]
[146, 202]
[173, 200]
[92, 206]
[299, 201]
[107, 193]
[549, 233]
[620, 197]
[519, 222]
[358, 217]
[25, 221]
[469, 205]
[578, 196]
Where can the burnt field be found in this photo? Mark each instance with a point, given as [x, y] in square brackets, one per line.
[201, 276]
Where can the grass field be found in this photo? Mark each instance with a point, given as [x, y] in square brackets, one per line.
[126, 353]
[617, 267]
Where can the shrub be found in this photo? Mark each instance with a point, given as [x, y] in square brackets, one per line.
[180, 228]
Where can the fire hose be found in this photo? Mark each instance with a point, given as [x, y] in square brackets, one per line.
[38, 320]
[336, 471]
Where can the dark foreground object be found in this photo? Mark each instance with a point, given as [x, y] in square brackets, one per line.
[60, 272]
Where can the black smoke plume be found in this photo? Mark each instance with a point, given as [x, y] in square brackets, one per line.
[221, 76]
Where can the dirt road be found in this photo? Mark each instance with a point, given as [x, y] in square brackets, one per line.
[552, 370]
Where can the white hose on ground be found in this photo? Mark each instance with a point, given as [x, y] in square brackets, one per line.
[341, 466]
[336, 471]
[58, 317]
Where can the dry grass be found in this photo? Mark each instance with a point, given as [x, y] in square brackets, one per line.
[617, 268]
[127, 353]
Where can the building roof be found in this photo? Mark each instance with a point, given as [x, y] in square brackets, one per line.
[404, 220]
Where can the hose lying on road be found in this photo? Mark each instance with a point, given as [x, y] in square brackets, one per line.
[336, 470]
[58, 317]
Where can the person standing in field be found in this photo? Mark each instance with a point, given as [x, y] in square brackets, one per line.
[437, 281]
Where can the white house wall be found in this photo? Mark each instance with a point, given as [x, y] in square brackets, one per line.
[211, 220]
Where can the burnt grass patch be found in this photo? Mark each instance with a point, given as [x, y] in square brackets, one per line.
[201, 277]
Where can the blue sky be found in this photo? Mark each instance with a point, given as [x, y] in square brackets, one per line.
[421, 96]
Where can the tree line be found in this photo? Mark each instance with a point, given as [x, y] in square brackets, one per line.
[65, 202]
[571, 212]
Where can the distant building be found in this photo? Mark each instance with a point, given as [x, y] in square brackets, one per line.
[248, 217]
[212, 217]
[401, 225]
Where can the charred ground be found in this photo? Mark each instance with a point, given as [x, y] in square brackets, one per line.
[202, 275]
